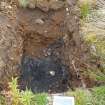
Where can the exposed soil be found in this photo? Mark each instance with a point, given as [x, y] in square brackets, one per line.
[37, 33]
[43, 34]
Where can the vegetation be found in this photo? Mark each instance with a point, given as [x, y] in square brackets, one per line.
[15, 93]
[84, 9]
[23, 3]
[85, 97]
[94, 96]
[27, 97]
[40, 99]
[93, 35]
[98, 42]
[98, 95]
[2, 100]
[97, 50]
[23, 97]
[82, 97]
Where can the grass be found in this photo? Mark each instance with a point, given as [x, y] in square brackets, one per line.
[85, 97]
[98, 95]
[94, 96]
[97, 50]
[84, 9]
[82, 97]
[41, 99]
[2, 100]
[25, 97]
[98, 42]
[15, 93]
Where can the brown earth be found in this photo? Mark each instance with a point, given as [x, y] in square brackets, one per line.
[38, 35]
[29, 31]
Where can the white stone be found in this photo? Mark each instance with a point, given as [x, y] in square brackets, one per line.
[39, 21]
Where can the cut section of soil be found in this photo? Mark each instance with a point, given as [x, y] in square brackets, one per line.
[38, 35]
[49, 37]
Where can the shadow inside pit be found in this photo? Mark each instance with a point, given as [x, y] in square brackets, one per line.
[47, 74]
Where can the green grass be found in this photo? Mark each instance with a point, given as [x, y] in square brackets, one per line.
[15, 93]
[98, 53]
[41, 99]
[25, 97]
[84, 9]
[94, 96]
[2, 100]
[98, 95]
[82, 97]
[98, 42]
[85, 97]
[95, 74]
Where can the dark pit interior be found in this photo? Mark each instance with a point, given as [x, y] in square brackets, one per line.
[46, 73]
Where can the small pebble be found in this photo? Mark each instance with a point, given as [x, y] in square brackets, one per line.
[8, 26]
[9, 7]
[52, 73]
[67, 9]
[39, 21]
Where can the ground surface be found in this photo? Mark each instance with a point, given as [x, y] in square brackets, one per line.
[49, 29]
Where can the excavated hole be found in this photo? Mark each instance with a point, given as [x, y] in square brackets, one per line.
[42, 65]
[45, 60]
